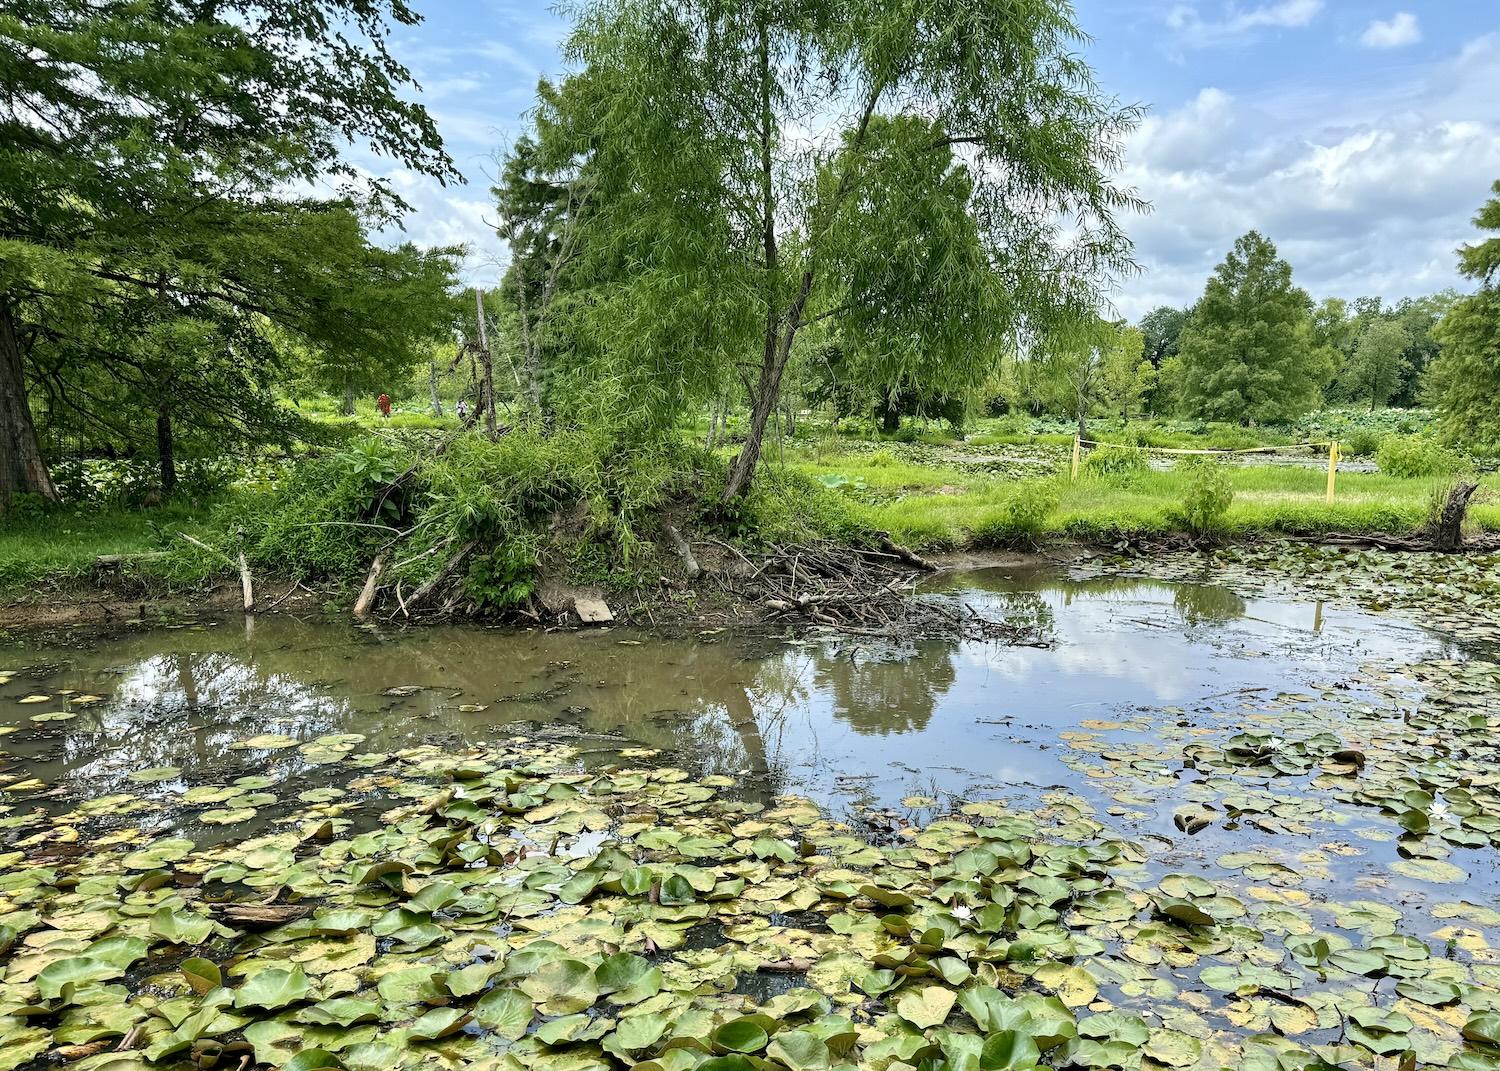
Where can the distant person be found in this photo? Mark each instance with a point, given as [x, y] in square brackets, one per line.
[463, 411]
[383, 403]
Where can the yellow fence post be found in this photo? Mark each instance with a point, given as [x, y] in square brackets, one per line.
[1077, 450]
[1333, 467]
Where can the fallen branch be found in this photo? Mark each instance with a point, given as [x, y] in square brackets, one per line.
[685, 552]
[439, 578]
[372, 585]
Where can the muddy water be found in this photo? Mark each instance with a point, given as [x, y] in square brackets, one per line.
[854, 723]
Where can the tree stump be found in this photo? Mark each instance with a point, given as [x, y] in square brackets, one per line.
[1448, 526]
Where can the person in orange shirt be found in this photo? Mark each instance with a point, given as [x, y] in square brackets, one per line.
[384, 404]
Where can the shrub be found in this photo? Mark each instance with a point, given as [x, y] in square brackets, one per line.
[1022, 519]
[1207, 497]
[1115, 461]
[1409, 457]
[1363, 442]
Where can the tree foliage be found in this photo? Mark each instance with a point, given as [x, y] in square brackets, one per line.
[1464, 380]
[150, 254]
[896, 170]
[1248, 351]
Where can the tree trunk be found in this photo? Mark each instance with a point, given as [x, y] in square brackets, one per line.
[1083, 427]
[166, 459]
[432, 388]
[487, 366]
[22, 468]
[890, 419]
[767, 392]
[346, 407]
[1448, 525]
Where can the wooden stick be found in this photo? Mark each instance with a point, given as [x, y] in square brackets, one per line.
[367, 593]
[245, 585]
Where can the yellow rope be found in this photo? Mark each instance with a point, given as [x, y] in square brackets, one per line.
[1170, 450]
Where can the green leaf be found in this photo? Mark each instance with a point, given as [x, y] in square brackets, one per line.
[273, 987]
[76, 971]
[312, 1060]
[339, 1011]
[800, 1050]
[202, 975]
[505, 1011]
[438, 1023]
[562, 986]
[741, 1035]
[181, 927]
[1008, 1050]
[925, 1007]
[628, 979]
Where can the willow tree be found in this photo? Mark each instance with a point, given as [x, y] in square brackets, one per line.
[148, 226]
[1464, 380]
[930, 178]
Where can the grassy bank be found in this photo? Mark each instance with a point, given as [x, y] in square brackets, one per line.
[579, 509]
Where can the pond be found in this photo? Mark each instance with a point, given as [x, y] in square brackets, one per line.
[1248, 771]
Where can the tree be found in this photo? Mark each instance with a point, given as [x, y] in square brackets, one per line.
[149, 242]
[1248, 354]
[1464, 380]
[1161, 328]
[1374, 369]
[899, 169]
[1127, 374]
[1089, 361]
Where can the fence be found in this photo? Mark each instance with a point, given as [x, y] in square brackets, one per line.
[1333, 454]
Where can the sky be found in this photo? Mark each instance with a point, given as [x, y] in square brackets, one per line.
[1361, 136]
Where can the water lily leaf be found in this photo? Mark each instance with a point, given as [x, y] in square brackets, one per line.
[562, 986]
[1483, 1027]
[1008, 1050]
[438, 1023]
[628, 979]
[1173, 1048]
[202, 975]
[741, 1035]
[505, 1011]
[181, 927]
[273, 987]
[560, 1031]
[800, 1050]
[471, 979]
[155, 773]
[925, 1007]
[76, 971]
[636, 1032]
[312, 1060]
[339, 1011]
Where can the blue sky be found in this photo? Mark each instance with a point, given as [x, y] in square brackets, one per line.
[1360, 135]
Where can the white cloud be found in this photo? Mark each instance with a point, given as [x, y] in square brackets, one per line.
[1398, 30]
[1369, 195]
[1237, 22]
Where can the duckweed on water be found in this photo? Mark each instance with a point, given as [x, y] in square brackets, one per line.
[511, 908]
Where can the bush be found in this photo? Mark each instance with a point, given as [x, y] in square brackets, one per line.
[1021, 521]
[1208, 495]
[1362, 442]
[1408, 457]
[1115, 461]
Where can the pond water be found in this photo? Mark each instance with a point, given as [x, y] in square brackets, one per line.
[1173, 810]
[852, 723]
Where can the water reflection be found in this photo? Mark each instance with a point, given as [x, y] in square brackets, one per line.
[843, 719]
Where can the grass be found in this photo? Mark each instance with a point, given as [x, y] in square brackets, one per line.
[63, 545]
[944, 506]
[1006, 484]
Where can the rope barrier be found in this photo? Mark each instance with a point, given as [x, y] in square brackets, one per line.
[1332, 446]
[1174, 450]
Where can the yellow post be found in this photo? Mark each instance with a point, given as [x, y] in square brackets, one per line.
[1333, 468]
[1077, 451]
